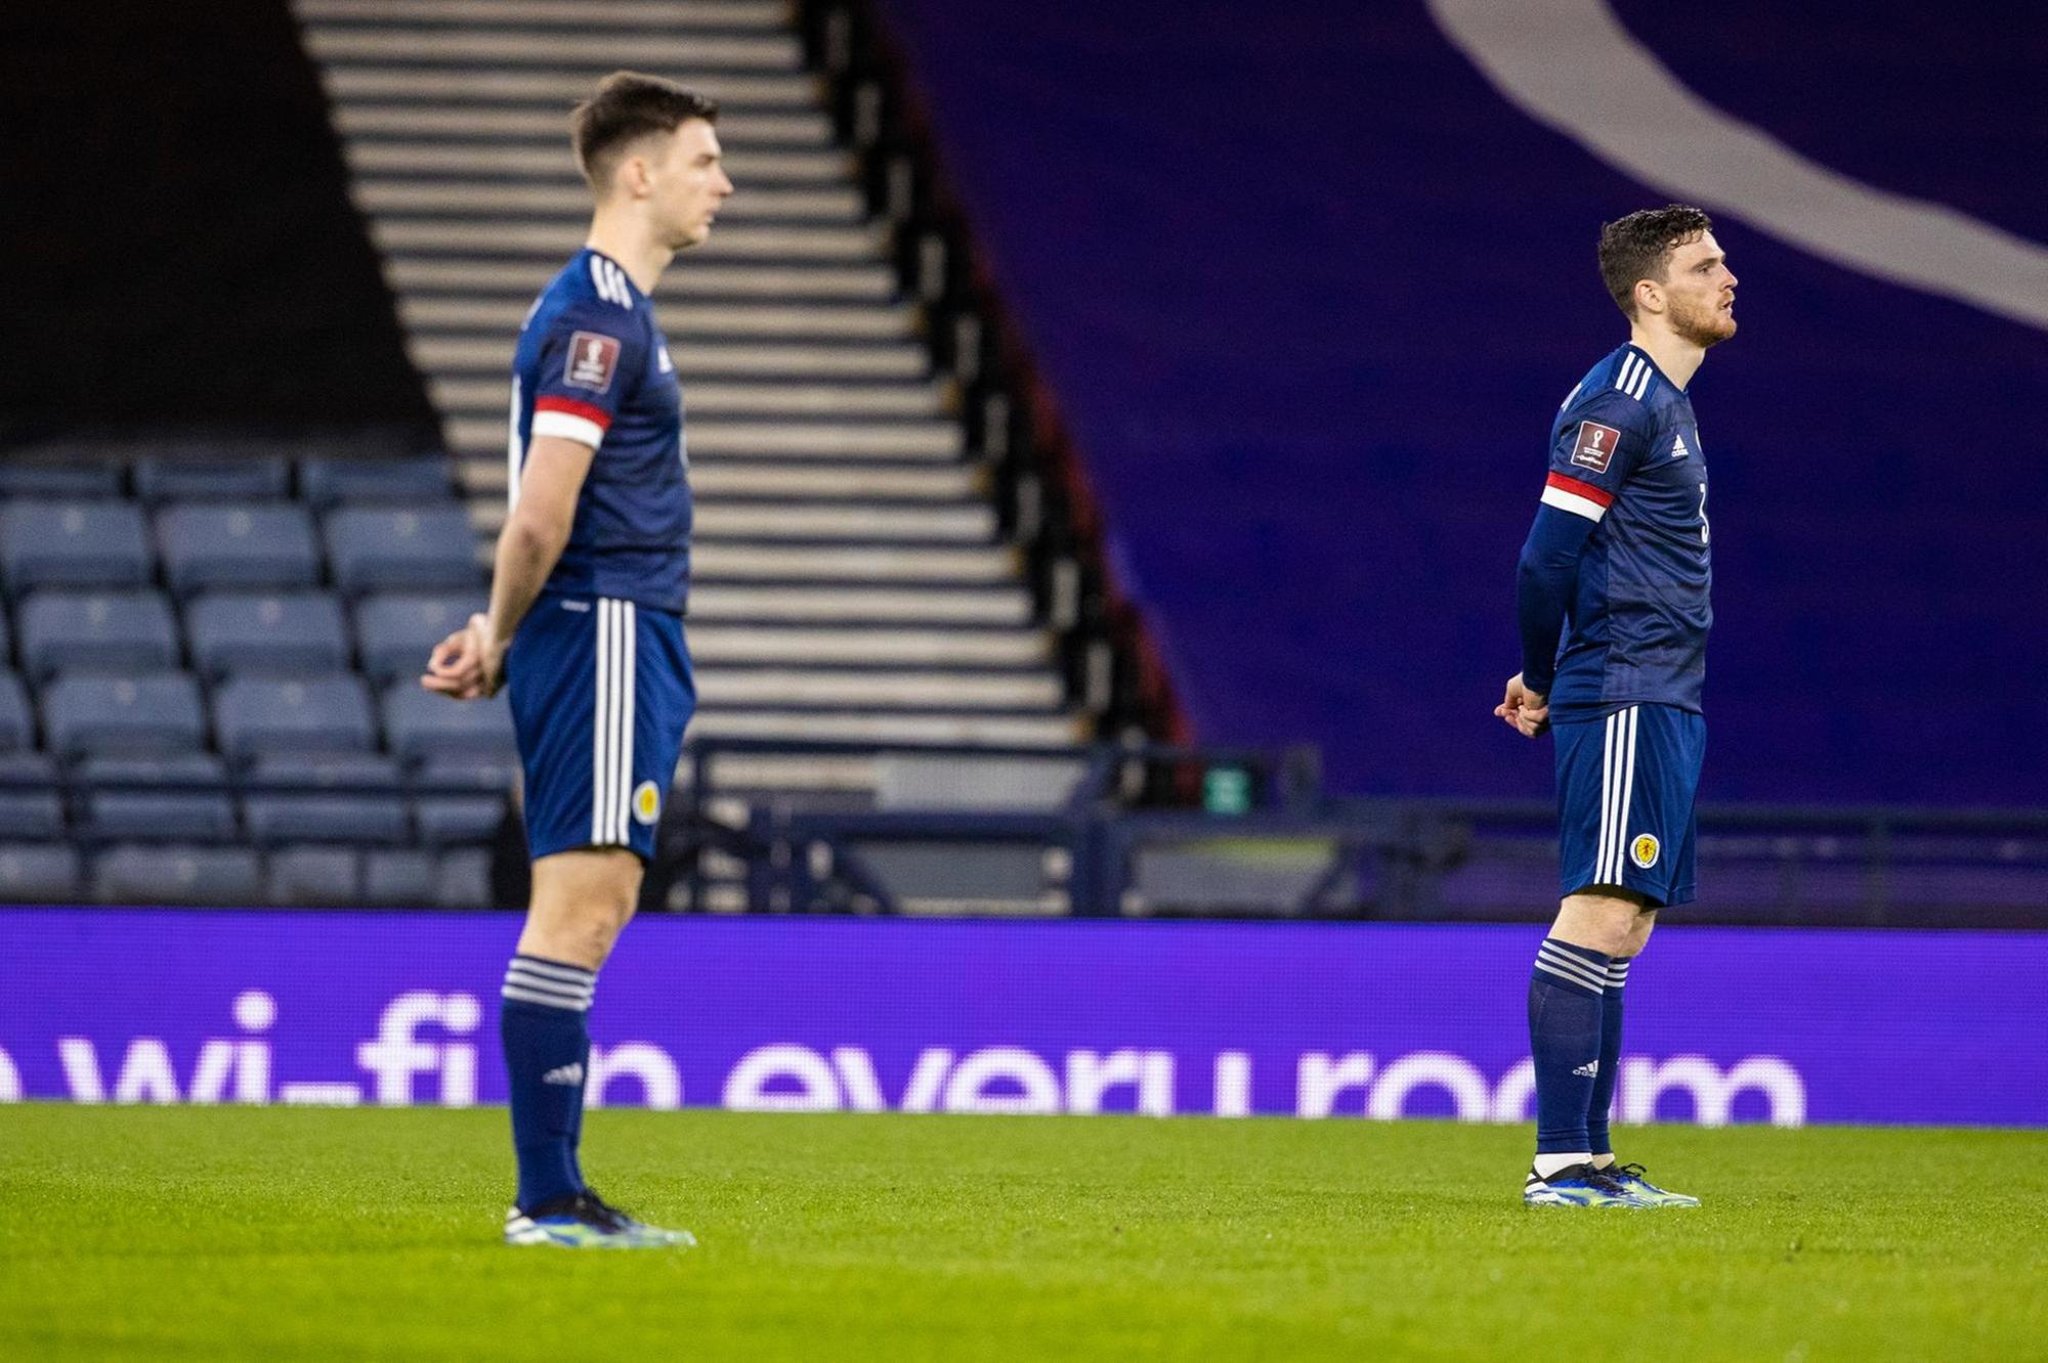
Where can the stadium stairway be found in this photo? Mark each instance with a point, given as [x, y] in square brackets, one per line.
[852, 582]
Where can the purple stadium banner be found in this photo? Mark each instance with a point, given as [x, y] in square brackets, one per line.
[1310, 1020]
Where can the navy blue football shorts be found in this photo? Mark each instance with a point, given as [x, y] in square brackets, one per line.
[1626, 786]
[601, 690]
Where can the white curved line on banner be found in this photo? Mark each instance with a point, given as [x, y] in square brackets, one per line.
[1571, 65]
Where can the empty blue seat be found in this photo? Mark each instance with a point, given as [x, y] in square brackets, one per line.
[31, 804]
[398, 876]
[420, 724]
[397, 631]
[237, 546]
[459, 820]
[253, 478]
[314, 714]
[17, 721]
[462, 880]
[489, 773]
[144, 875]
[386, 548]
[266, 633]
[313, 877]
[412, 482]
[39, 873]
[97, 631]
[182, 798]
[352, 798]
[154, 712]
[67, 543]
[78, 476]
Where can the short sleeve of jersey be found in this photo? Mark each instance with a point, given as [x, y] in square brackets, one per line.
[1599, 442]
[589, 360]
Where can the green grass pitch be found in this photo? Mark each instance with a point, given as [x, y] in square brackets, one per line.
[223, 1233]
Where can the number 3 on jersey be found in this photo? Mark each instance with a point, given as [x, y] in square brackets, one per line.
[1703, 513]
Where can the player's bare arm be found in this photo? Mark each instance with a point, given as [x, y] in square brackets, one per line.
[470, 663]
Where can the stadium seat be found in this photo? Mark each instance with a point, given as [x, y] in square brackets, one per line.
[357, 800]
[48, 543]
[382, 549]
[266, 634]
[462, 879]
[317, 714]
[69, 478]
[395, 877]
[234, 546]
[17, 721]
[97, 631]
[312, 877]
[420, 724]
[488, 773]
[192, 806]
[396, 632]
[412, 482]
[251, 479]
[459, 820]
[132, 874]
[39, 873]
[31, 805]
[153, 712]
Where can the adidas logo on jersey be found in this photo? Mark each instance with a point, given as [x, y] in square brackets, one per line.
[1678, 449]
[1589, 1070]
[570, 1075]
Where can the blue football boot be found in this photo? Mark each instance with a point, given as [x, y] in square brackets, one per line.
[583, 1220]
[1578, 1185]
[1630, 1176]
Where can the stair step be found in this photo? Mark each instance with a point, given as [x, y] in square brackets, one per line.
[945, 567]
[758, 644]
[1005, 605]
[485, 473]
[824, 522]
[464, 397]
[936, 441]
[664, 49]
[550, 127]
[557, 241]
[889, 690]
[703, 359]
[723, 14]
[412, 158]
[494, 317]
[1049, 730]
[850, 282]
[450, 199]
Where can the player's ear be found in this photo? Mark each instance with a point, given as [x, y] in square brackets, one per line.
[1649, 296]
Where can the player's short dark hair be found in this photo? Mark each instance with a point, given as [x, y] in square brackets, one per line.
[626, 107]
[1639, 247]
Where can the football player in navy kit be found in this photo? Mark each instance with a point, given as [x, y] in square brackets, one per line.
[1612, 595]
[585, 618]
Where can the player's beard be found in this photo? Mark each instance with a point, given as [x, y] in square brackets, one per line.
[1704, 326]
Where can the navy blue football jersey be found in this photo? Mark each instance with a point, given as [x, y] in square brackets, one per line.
[592, 366]
[1625, 454]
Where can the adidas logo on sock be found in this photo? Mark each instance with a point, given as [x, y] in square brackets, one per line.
[1589, 1070]
[564, 1074]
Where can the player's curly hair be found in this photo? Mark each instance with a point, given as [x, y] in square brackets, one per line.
[628, 106]
[1639, 247]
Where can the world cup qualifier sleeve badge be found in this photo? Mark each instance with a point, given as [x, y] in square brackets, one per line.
[1645, 850]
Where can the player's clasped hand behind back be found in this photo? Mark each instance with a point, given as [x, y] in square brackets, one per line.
[1523, 710]
[464, 666]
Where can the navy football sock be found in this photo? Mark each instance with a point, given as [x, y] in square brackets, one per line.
[1566, 995]
[1602, 1102]
[547, 1051]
